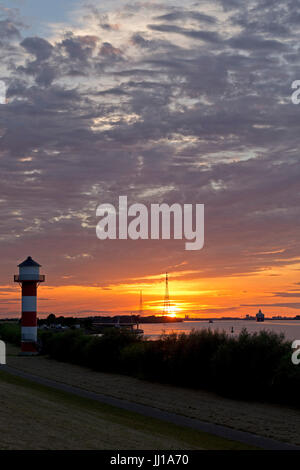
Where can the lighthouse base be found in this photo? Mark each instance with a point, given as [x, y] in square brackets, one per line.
[24, 354]
[28, 348]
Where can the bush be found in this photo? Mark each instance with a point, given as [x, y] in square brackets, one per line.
[286, 382]
[66, 346]
[104, 352]
[246, 366]
[11, 333]
[98, 352]
[188, 357]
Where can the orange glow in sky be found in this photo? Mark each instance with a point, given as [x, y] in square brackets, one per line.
[189, 295]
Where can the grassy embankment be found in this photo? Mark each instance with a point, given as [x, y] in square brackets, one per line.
[59, 420]
[254, 366]
[270, 420]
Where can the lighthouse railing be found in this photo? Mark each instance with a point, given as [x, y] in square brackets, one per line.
[29, 277]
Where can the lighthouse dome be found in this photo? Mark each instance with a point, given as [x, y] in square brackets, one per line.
[29, 268]
[29, 262]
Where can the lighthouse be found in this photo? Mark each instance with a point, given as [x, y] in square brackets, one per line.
[29, 278]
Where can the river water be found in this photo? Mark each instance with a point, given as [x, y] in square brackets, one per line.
[290, 328]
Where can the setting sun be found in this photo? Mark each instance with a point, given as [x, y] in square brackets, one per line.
[173, 311]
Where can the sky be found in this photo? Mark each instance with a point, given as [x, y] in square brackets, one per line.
[180, 102]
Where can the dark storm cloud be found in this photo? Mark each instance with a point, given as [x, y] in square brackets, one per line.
[160, 116]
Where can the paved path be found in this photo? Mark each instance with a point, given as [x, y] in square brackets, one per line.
[211, 428]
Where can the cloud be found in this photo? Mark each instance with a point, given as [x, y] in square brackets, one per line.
[107, 49]
[208, 36]
[186, 15]
[79, 47]
[212, 311]
[249, 42]
[8, 30]
[176, 105]
[39, 47]
[295, 305]
[287, 294]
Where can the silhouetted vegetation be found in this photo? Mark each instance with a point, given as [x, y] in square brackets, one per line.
[53, 320]
[11, 333]
[250, 366]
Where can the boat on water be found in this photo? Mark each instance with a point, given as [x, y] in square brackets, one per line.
[260, 316]
[129, 326]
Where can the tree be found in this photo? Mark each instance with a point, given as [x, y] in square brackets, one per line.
[51, 318]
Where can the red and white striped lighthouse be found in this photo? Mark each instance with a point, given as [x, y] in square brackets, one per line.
[29, 278]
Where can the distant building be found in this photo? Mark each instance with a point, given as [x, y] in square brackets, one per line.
[249, 317]
[260, 316]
